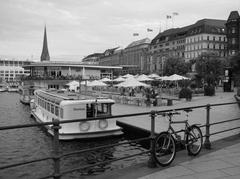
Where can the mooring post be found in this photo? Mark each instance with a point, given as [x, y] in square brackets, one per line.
[151, 161]
[207, 142]
[56, 154]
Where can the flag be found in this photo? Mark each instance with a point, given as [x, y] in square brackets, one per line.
[175, 13]
[135, 34]
[169, 17]
[149, 30]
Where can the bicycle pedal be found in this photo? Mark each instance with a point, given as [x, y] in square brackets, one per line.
[178, 138]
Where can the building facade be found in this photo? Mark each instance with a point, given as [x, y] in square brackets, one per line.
[135, 56]
[233, 33]
[132, 59]
[55, 74]
[205, 36]
[12, 70]
[92, 58]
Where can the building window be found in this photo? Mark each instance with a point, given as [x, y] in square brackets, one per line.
[220, 38]
[207, 37]
[233, 30]
[213, 38]
[233, 41]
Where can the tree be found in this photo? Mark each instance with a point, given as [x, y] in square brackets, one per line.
[235, 65]
[209, 68]
[176, 66]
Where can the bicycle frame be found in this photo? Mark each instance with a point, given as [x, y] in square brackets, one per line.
[171, 130]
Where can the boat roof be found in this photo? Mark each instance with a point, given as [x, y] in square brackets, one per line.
[58, 96]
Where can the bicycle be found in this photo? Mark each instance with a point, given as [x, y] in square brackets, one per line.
[164, 148]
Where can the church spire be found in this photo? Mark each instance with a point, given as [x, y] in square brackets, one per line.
[45, 55]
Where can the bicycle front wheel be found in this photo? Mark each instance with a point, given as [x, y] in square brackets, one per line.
[194, 140]
[164, 149]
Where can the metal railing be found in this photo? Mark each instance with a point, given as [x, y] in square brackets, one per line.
[57, 155]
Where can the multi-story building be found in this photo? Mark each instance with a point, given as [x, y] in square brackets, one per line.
[135, 56]
[11, 70]
[111, 57]
[233, 33]
[205, 36]
[170, 43]
[93, 58]
[132, 58]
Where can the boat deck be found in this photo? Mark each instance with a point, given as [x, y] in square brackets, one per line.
[67, 95]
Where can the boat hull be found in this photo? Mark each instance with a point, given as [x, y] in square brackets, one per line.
[25, 100]
[3, 90]
[12, 90]
[86, 135]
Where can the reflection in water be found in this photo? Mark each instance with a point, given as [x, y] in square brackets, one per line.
[19, 145]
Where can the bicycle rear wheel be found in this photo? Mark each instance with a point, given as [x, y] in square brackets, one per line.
[194, 140]
[164, 149]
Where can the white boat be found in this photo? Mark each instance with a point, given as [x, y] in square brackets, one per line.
[48, 104]
[3, 88]
[26, 94]
[13, 88]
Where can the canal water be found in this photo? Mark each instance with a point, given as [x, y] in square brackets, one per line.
[18, 145]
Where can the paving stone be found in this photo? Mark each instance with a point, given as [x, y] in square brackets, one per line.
[231, 177]
[172, 172]
[208, 166]
[232, 160]
[205, 175]
[232, 170]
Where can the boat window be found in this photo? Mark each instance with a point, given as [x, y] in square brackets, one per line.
[61, 112]
[90, 110]
[52, 109]
[56, 111]
[103, 109]
[48, 106]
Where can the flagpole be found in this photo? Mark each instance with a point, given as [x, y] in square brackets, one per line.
[174, 14]
[166, 23]
[160, 27]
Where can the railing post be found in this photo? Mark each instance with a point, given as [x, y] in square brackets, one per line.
[56, 155]
[207, 142]
[151, 161]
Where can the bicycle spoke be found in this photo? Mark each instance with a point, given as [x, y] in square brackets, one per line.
[194, 140]
[164, 150]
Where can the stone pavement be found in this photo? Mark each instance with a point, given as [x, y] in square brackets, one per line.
[223, 163]
[198, 116]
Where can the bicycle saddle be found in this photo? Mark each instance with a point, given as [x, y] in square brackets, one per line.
[188, 110]
[170, 113]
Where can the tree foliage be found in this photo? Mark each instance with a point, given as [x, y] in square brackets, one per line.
[235, 65]
[209, 68]
[176, 66]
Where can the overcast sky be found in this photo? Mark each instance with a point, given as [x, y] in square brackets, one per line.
[77, 28]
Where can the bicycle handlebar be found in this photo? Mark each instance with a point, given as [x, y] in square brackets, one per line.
[171, 113]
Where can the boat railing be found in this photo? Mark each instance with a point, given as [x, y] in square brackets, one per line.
[58, 155]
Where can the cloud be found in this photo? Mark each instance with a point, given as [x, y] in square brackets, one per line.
[88, 26]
